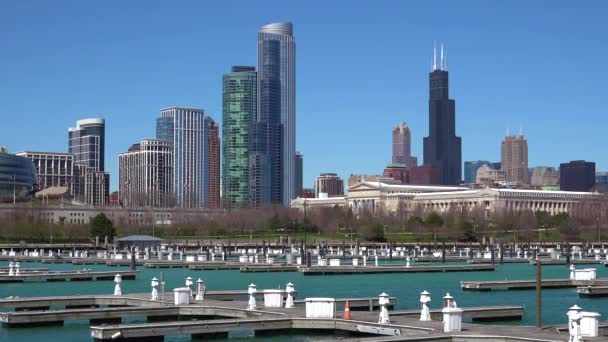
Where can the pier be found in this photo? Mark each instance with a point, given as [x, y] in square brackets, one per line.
[339, 270]
[527, 284]
[67, 276]
[592, 291]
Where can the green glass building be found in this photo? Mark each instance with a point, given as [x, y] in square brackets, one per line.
[238, 122]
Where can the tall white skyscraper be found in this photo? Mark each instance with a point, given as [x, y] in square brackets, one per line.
[277, 108]
[187, 128]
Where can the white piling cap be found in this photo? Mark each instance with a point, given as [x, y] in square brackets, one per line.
[252, 285]
[447, 296]
[383, 294]
[189, 278]
[289, 284]
[425, 293]
[199, 280]
[575, 308]
[154, 279]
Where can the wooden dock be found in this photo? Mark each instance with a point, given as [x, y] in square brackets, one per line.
[269, 268]
[550, 262]
[592, 291]
[211, 319]
[481, 313]
[340, 270]
[67, 276]
[527, 284]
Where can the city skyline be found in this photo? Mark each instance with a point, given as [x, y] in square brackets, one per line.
[341, 156]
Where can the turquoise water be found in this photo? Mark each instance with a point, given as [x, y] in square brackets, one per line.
[406, 287]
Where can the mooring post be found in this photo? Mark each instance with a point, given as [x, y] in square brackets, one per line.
[539, 321]
[568, 253]
[492, 253]
[443, 252]
[502, 252]
[133, 265]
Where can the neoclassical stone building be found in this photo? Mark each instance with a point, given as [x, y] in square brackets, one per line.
[375, 196]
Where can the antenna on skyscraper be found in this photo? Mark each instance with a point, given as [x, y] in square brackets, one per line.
[521, 129]
[445, 60]
[441, 63]
[434, 56]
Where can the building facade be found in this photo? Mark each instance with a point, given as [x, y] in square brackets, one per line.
[380, 197]
[330, 184]
[18, 178]
[489, 176]
[355, 179]
[239, 111]
[213, 170]
[145, 175]
[399, 172]
[425, 175]
[97, 188]
[189, 129]
[402, 146]
[54, 170]
[299, 178]
[470, 170]
[277, 109]
[514, 158]
[544, 176]
[442, 148]
[577, 175]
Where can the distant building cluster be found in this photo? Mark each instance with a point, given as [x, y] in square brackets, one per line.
[256, 162]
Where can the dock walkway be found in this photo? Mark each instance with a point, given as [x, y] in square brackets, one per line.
[527, 284]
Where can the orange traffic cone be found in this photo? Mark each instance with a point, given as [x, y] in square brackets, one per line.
[347, 310]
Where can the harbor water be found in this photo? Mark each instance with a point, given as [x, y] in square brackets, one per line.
[405, 286]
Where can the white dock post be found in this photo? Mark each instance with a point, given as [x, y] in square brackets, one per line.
[376, 260]
[11, 272]
[572, 269]
[425, 313]
[383, 301]
[251, 290]
[200, 289]
[289, 289]
[117, 281]
[154, 285]
[189, 284]
[17, 267]
[452, 315]
[574, 324]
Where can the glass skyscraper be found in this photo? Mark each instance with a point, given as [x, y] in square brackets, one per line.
[276, 117]
[470, 169]
[442, 148]
[188, 127]
[239, 108]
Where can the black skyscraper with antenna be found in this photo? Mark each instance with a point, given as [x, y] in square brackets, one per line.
[442, 148]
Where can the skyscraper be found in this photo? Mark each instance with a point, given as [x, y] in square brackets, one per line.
[91, 184]
[299, 179]
[442, 148]
[402, 146]
[577, 175]
[213, 170]
[277, 109]
[514, 158]
[239, 108]
[145, 174]
[189, 129]
[87, 143]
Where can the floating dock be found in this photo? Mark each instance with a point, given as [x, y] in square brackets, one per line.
[67, 276]
[339, 270]
[550, 262]
[269, 268]
[528, 284]
[592, 291]
[481, 313]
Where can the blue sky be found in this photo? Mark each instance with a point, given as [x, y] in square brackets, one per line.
[362, 66]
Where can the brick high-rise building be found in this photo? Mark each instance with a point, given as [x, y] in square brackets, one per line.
[213, 155]
[330, 184]
[402, 146]
[514, 158]
[398, 172]
[425, 175]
